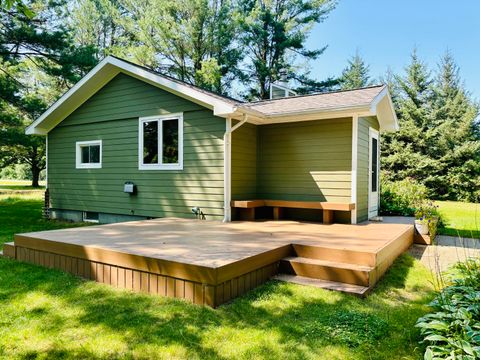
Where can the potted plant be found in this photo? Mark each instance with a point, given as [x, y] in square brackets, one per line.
[426, 218]
[422, 225]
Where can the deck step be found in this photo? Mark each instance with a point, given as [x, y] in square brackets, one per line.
[324, 284]
[327, 270]
[340, 255]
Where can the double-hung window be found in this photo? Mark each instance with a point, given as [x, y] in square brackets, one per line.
[161, 142]
[89, 154]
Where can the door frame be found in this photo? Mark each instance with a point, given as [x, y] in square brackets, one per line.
[372, 133]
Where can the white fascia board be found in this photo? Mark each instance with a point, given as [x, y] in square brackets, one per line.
[34, 128]
[382, 106]
[104, 72]
[316, 115]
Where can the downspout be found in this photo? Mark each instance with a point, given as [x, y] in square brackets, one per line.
[46, 161]
[227, 166]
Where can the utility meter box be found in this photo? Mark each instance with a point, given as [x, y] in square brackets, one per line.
[129, 188]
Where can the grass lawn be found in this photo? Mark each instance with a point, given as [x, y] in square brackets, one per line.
[48, 314]
[19, 185]
[461, 219]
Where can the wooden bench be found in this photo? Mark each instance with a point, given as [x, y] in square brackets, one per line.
[328, 208]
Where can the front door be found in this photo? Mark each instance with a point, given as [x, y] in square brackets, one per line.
[373, 171]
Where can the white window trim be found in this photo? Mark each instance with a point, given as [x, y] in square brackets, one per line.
[85, 219]
[160, 166]
[372, 133]
[79, 164]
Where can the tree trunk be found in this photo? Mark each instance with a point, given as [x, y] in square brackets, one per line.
[35, 176]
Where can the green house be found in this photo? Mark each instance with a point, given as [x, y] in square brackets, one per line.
[129, 143]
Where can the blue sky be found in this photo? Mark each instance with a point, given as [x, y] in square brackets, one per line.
[385, 32]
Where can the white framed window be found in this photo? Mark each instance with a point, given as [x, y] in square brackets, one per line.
[90, 216]
[160, 142]
[89, 154]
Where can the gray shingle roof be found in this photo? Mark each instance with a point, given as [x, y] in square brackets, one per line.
[316, 102]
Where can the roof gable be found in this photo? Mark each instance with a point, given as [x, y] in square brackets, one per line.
[371, 101]
[103, 73]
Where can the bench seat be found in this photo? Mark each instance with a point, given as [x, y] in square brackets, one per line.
[277, 205]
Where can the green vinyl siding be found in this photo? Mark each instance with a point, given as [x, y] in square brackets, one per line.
[362, 165]
[112, 115]
[305, 161]
[244, 162]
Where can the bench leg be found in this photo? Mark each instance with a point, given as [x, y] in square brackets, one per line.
[277, 213]
[327, 216]
[249, 214]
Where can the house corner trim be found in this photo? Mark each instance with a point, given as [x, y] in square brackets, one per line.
[354, 167]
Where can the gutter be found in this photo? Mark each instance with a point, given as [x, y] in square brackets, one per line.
[227, 166]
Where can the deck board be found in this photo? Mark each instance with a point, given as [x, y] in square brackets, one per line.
[206, 262]
[215, 244]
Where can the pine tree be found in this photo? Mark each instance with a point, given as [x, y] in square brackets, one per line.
[274, 33]
[192, 40]
[438, 143]
[456, 135]
[38, 62]
[405, 153]
[356, 74]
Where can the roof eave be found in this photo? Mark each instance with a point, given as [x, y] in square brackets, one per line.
[382, 106]
[259, 118]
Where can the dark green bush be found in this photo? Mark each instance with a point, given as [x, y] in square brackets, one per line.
[452, 331]
[401, 197]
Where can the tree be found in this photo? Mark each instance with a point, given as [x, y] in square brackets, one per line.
[192, 40]
[438, 143]
[456, 135]
[274, 34]
[356, 74]
[19, 5]
[405, 153]
[38, 61]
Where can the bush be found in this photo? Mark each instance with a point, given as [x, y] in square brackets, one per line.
[18, 172]
[401, 197]
[452, 331]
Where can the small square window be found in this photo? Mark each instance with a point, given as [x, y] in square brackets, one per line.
[89, 154]
[90, 216]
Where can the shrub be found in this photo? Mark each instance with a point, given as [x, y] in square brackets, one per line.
[401, 197]
[452, 331]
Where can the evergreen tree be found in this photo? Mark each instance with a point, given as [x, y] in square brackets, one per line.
[356, 74]
[438, 143]
[274, 33]
[38, 61]
[192, 40]
[456, 135]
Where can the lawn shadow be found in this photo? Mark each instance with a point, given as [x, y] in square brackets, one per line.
[297, 321]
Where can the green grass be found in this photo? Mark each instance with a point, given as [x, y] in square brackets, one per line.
[47, 314]
[460, 219]
[21, 211]
[19, 185]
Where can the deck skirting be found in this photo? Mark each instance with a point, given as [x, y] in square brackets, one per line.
[151, 283]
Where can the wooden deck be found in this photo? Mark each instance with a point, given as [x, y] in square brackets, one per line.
[210, 262]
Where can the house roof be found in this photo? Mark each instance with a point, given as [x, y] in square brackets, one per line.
[312, 102]
[370, 101]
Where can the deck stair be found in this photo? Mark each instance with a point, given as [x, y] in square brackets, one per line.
[342, 270]
[324, 284]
